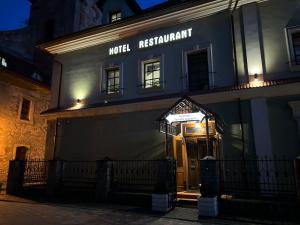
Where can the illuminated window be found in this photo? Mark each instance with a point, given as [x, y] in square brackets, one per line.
[151, 75]
[113, 81]
[115, 16]
[296, 46]
[25, 109]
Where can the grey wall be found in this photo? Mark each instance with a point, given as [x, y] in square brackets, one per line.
[82, 69]
[236, 116]
[283, 126]
[121, 136]
[275, 17]
[136, 136]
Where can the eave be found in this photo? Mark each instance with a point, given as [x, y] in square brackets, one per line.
[141, 23]
[23, 82]
[247, 93]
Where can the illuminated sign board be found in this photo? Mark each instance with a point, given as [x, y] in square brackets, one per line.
[166, 38]
[3, 62]
[119, 49]
[153, 41]
[185, 117]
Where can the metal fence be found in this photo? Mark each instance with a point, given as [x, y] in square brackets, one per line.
[146, 176]
[35, 173]
[78, 176]
[256, 178]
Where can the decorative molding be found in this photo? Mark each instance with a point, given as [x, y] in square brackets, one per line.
[131, 27]
[211, 98]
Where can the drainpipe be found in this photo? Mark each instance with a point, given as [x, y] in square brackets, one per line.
[236, 75]
[57, 121]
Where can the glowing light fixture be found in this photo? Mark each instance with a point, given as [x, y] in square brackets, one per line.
[197, 125]
[198, 116]
[256, 81]
[78, 105]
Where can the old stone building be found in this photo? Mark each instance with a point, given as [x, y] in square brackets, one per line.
[23, 96]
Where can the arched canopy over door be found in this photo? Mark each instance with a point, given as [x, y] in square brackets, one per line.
[186, 109]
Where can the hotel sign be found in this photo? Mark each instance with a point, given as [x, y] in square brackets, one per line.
[153, 41]
[185, 117]
[3, 62]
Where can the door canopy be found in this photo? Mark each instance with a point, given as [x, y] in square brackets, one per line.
[186, 110]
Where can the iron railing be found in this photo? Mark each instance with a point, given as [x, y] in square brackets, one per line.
[257, 178]
[35, 172]
[79, 171]
[147, 176]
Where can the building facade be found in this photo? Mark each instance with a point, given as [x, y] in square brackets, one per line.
[112, 83]
[23, 96]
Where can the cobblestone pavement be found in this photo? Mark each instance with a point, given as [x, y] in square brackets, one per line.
[33, 213]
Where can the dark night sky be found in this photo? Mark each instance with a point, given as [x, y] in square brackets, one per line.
[13, 13]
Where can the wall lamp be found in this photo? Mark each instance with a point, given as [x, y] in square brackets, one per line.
[256, 80]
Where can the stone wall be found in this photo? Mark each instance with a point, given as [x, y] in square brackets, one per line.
[15, 132]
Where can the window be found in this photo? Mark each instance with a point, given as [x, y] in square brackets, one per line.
[25, 109]
[21, 153]
[151, 76]
[112, 81]
[115, 16]
[296, 46]
[293, 44]
[198, 75]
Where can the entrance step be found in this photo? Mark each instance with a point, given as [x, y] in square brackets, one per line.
[187, 199]
[188, 195]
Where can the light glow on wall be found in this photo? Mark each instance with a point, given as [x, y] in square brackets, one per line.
[79, 104]
[252, 70]
[81, 88]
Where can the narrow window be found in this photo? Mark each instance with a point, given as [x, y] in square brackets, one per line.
[198, 75]
[115, 16]
[151, 74]
[113, 81]
[296, 45]
[25, 109]
[21, 153]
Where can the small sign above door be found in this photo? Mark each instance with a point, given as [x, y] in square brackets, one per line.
[185, 117]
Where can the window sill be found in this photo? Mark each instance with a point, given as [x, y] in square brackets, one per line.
[30, 121]
[150, 90]
[110, 96]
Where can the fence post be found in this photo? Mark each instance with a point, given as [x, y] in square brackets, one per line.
[55, 170]
[209, 189]
[104, 178]
[209, 174]
[297, 175]
[15, 177]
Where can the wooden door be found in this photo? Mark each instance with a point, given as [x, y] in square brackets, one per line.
[193, 163]
[180, 165]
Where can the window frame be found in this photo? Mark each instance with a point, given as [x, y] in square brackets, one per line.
[30, 112]
[152, 72]
[21, 145]
[291, 49]
[116, 12]
[142, 63]
[104, 80]
[211, 74]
